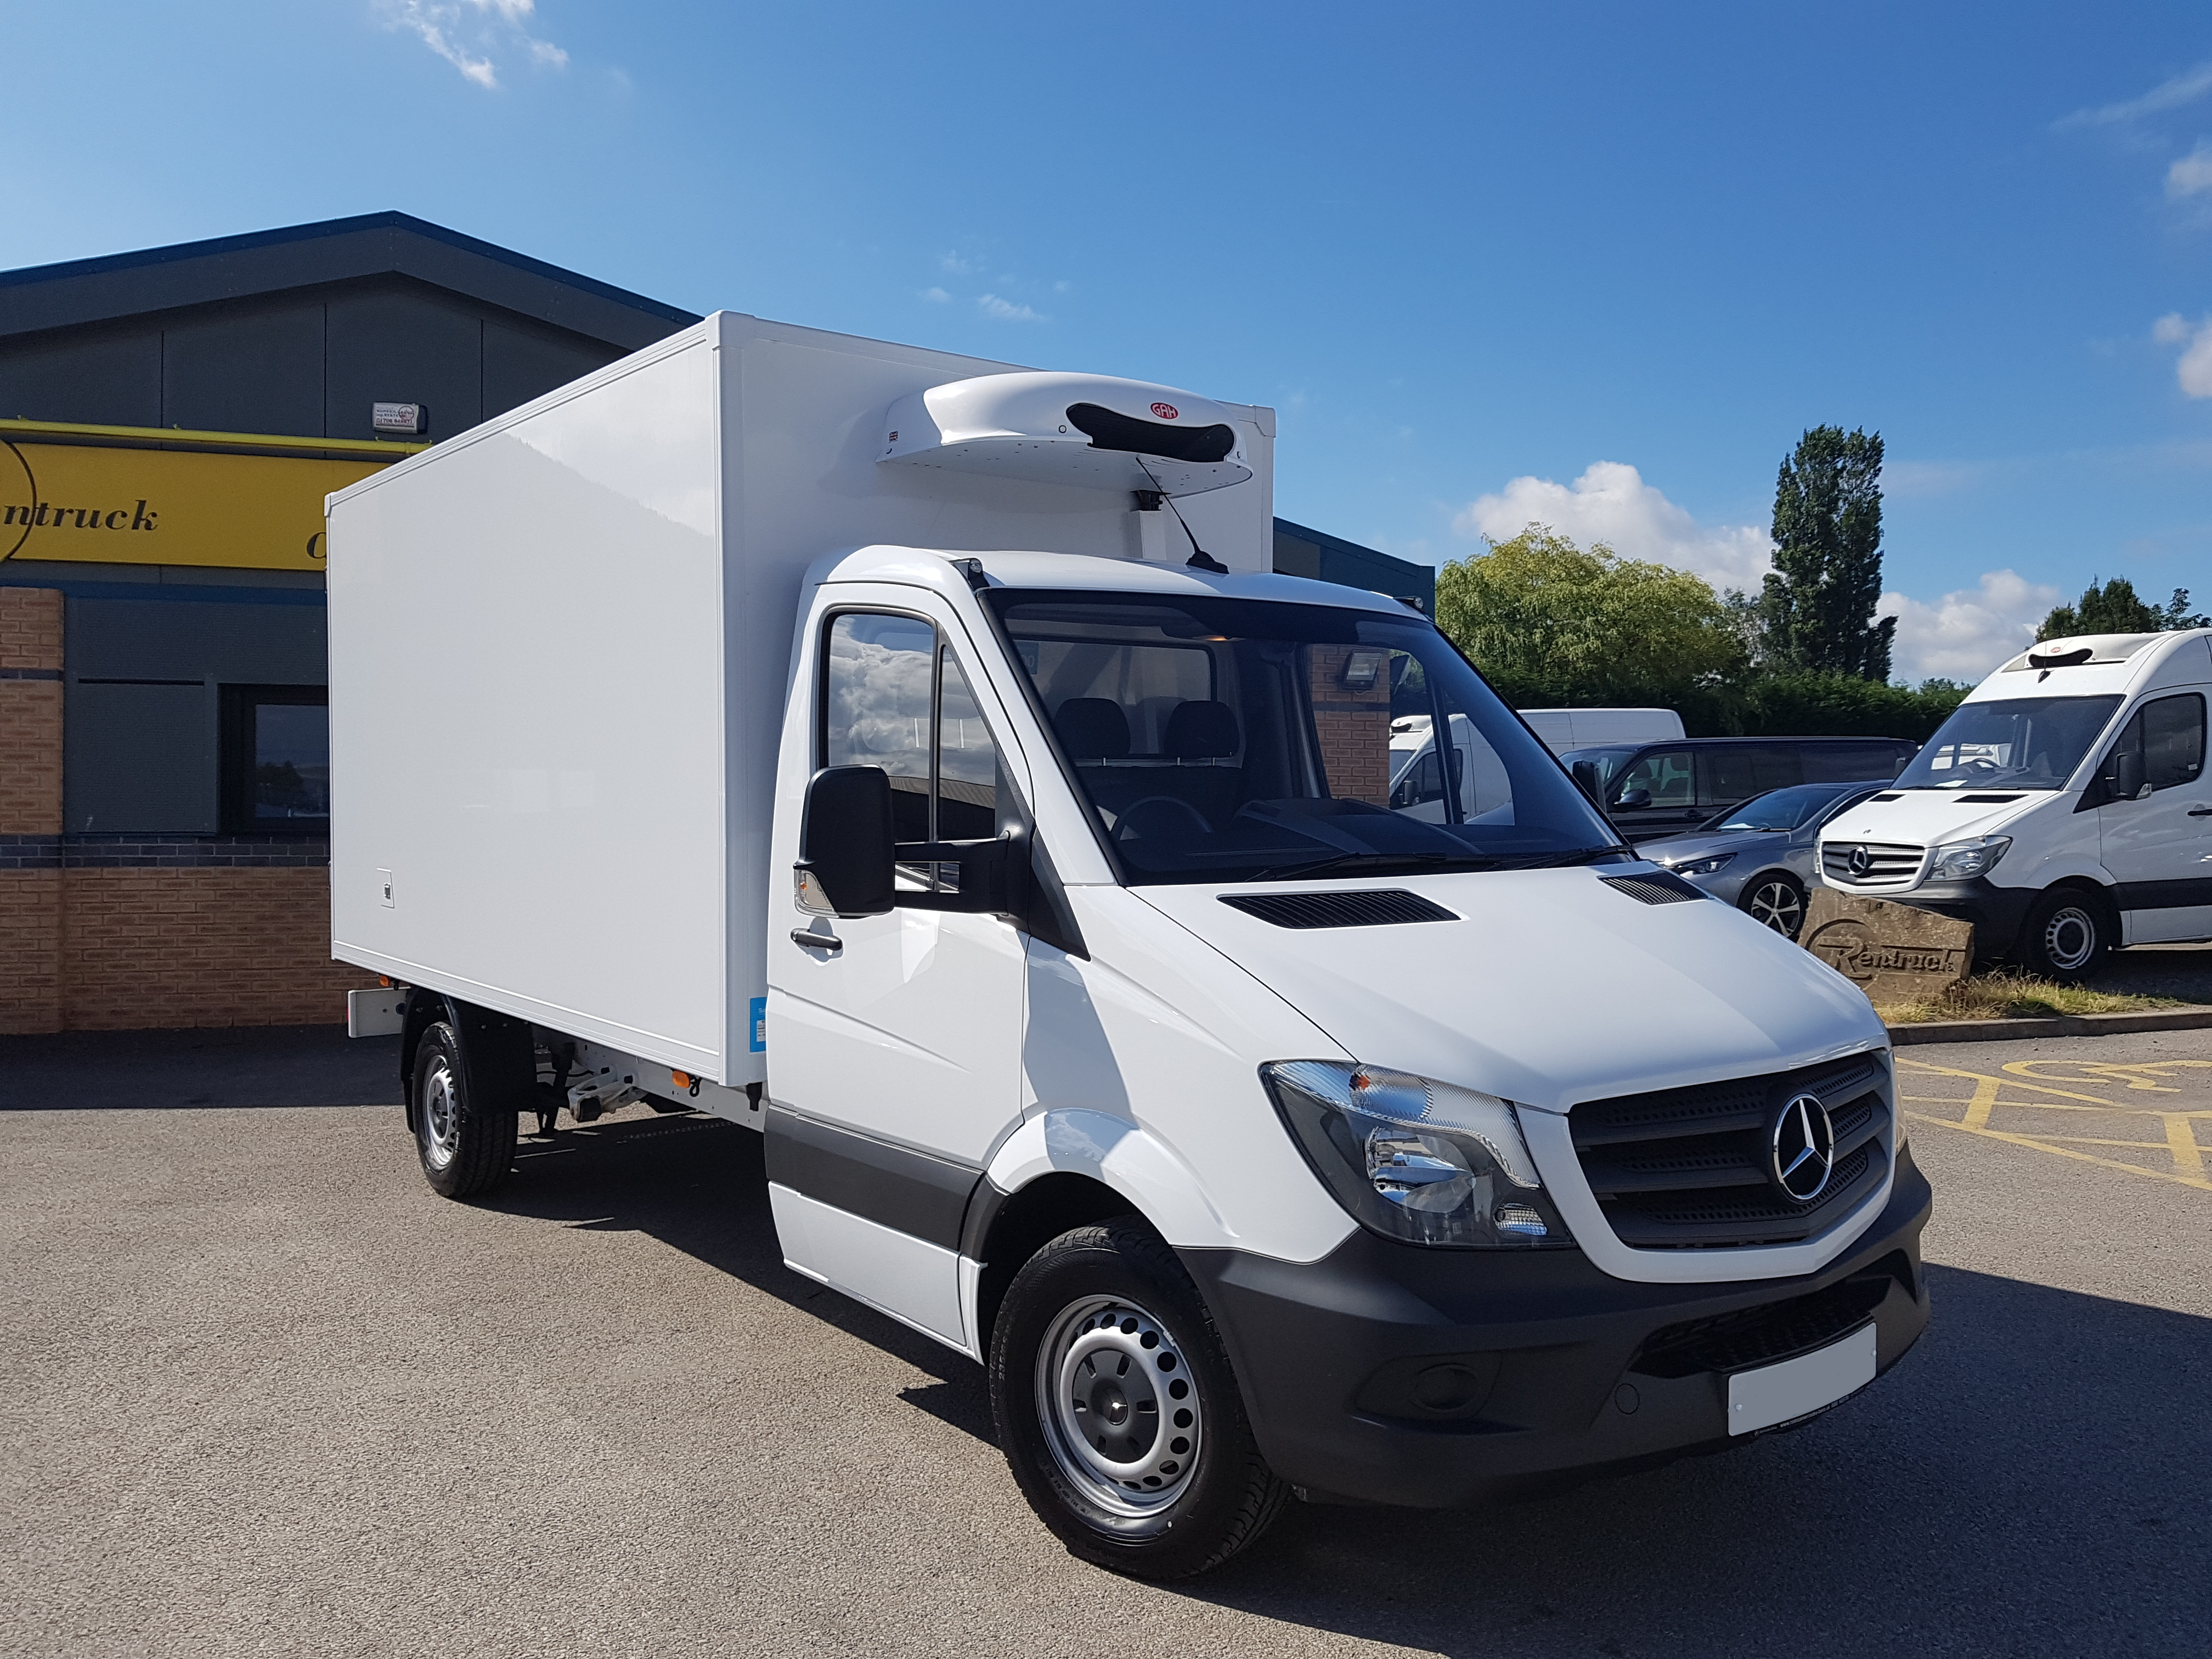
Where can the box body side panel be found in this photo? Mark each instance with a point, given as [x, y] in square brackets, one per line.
[526, 662]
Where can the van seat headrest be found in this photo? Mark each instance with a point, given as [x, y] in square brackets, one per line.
[1093, 728]
[1202, 730]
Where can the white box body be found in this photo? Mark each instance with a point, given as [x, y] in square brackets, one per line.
[560, 652]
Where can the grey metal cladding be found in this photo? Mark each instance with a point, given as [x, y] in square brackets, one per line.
[109, 376]
[402, 344]
[195, 639]
[139, 758]
[257, 368]
[522, 360]
[333, 251]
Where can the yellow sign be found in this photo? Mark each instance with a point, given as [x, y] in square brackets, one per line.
[88, 504]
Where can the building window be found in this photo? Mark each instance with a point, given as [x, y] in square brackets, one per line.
[276, 758]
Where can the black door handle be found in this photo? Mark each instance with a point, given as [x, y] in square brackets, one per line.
[2200, 811]
[814, 941]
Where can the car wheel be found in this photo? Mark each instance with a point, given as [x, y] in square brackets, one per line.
[2067, 935]
[466, 1148]
[1117, 1409]
[1775, 899]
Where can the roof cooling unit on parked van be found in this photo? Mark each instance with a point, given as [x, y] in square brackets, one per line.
[1088, 430]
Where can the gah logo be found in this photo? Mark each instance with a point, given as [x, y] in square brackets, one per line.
[1166, 411]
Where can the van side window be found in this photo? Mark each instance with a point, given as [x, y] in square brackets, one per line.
[2170, 735]
[1668, 775]
[1736, 774]
[893, 697]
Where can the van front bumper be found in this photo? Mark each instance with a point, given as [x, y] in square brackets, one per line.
[1398, 1374]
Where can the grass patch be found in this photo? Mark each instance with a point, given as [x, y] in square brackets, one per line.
[2010, 995]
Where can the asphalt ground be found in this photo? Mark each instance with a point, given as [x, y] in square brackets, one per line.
[262, 1391]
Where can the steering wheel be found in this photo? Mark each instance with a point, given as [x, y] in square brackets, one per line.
[1177, 817]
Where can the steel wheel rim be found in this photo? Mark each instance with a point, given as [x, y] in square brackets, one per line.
[1120, 1410]
[1775, 904]
[2069, 937]
[440, 1116]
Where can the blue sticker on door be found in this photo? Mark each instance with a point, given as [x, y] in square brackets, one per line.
[760, 1025]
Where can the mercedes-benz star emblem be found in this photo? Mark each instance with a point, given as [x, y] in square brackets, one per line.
[1802, 1149]
[1861, 861]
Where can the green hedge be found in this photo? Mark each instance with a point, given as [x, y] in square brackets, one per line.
[1821, 706]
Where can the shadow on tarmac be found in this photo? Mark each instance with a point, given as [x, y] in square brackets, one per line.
[176, 1071]
[2036, 1478]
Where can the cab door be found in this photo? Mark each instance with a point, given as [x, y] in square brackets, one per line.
[893, 1041]
[2158, 845]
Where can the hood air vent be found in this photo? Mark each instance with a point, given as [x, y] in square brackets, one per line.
[1356, 909]
[1659, 888]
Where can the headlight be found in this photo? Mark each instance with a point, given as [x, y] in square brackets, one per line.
[1964, 859]
[1428, 1163]
[1705, 866]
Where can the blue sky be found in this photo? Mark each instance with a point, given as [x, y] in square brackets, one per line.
[1598, 265]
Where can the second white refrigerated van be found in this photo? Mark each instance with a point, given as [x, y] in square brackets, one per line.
[2062, 809]
[912, 758]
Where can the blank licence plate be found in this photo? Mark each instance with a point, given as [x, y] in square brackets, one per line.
[1776, 1394]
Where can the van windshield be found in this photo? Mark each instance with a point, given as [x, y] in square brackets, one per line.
[2019, 742]
[1221, 739]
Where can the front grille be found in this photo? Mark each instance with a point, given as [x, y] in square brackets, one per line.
[1889, 864]
[1688, 1168]
[1768, 1335]
[1364, 908]
[1658, 888]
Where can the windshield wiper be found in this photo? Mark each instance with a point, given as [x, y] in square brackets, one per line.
[1378, 862]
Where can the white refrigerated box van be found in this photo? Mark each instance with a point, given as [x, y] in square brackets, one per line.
[912, 758]
[2062, 809]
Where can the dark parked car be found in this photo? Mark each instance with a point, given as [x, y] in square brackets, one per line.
[1656, 789]
[1760, 856]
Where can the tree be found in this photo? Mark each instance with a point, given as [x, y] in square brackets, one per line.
[2115, 608]
[1547, 622]
[1816, 613]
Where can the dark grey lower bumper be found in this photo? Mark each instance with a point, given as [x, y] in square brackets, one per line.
[1391, 1373]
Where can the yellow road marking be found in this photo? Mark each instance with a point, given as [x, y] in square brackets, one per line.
[2179, 1142]
[2198, 1181]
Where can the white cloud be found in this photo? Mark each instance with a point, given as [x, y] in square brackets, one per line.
[953, 265]
[1611, 503]
[1006, 311]
[2194, 370]
[936, 296]
[2191, 175]
[467, 33]
[1964, 635]
[2183, 89]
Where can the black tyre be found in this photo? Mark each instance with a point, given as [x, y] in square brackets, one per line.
[2067, 935]
[1116, 1406]
[467, 1145]
[1776, 899]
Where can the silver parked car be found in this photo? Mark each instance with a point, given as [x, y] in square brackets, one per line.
[1760, 856]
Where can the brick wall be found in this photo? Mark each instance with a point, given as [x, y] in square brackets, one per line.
[1353, 726]
[202, 947]
[30, 809]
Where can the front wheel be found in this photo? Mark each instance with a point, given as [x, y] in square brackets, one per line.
[1775, 899]
[1118, 1411]
[2067, 935]
[465, 1145]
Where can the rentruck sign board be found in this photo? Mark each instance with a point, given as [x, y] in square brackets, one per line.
[91, 504]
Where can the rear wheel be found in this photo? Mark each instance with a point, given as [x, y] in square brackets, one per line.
[465, 1146]
[1118, 1411]
[1775, 899]
[2067, 935]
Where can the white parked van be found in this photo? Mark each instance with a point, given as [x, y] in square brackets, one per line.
[2064, 809]
[913, 759]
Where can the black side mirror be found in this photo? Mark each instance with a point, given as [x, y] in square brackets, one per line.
[1586, 775]
[2127, 773]
[845, 842]
[1633, 799]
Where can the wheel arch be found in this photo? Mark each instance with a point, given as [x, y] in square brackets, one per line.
[1004, 1229]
